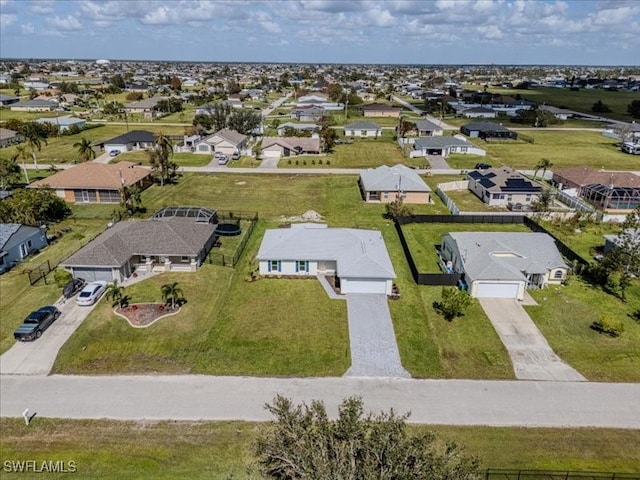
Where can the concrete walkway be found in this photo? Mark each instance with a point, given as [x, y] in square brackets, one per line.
[374, 351]
[445, 402]
[531, 355]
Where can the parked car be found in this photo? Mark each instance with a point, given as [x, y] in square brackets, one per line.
[235, 156]
[91, 293]
[114, 153]
[73, 287]
[36, 323]
[218, 155]
[223, 160]
[482, 166]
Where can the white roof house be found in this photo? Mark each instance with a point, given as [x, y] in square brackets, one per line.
[387, 184]
[357, 258]
[504, 264]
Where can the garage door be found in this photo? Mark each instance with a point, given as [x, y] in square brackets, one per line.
[271, 153]
[363, 286]
[93, 274]
[497, 290]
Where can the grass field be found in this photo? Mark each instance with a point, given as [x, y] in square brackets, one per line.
[182, 159]
[223, 450]
[581, 101]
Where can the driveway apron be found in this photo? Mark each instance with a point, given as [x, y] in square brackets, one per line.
[531, 355]
[374, 351]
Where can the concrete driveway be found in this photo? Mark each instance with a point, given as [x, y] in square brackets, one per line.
[38, 357]
[438, 162]
[531, 355]
[269, 162]
[374, 351]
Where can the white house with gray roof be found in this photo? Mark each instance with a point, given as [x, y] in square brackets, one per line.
[167, 244]
[357, 258]
[387, 184]
[504, 264]
[444, 146]
[363, 129]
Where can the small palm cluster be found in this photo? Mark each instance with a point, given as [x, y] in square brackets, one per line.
[172, 295]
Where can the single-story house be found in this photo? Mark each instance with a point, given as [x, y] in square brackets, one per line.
[34, 106]
[387, 184]
[7, 100]
[559, 113]
[357, 258]
[380, 110]
[606, 190]
[17, 242]
[443, 146]
[308, 113]
[133, 140]
[63, 123]
[503, 186]
[504, 264]
[488, 131]
[155, 245]
[93, 182]
[313, 99]
[363, 129]
[145, 107]
[632, 131]
[479, 112]
[298, 127]
[276, 147]
[226, 141]
[425, 128]
[9, 137]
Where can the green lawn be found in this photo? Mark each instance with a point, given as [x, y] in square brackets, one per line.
[182, 159]
[467, 201]
[223, 450]
[564, 315]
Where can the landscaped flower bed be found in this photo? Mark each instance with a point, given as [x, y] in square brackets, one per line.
[142, 315]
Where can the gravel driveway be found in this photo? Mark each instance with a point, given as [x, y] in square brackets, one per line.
[374, 351]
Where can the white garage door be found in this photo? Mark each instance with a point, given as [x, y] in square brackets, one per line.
[497, 290]
[93, 274]
[271, 153]
[363, 286]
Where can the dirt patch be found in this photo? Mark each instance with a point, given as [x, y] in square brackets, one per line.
[308, 216]
[142, 315]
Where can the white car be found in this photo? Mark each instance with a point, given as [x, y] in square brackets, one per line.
[91, 293]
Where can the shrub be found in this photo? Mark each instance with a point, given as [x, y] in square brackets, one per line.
[607, 324]
[313, 162]
[297, 162]
[320, 162]
[453, 303]
[328, 162]
[289, 161]
[304, 162]
[62, 277]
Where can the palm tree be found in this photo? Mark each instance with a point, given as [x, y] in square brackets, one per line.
[171, 292]
[543, 165]
[84, 149]
[23, 153]
[164, 144]
[115, 293]
[34, 139]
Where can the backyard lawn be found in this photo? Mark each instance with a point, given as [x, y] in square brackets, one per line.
[182, 159]
[223, 450]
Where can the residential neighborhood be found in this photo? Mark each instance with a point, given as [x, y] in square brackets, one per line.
[367, 227]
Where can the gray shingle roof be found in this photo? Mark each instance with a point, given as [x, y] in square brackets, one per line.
[426, 125]
[6, 232]
[485, 127]
[440, 142]
[170, 236]
[362, 125]
[358, 253]
[398, 177]
[506, 255]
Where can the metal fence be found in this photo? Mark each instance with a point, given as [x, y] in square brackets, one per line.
[40, 272]
[231, 259]
[574, 202]
[498, 474]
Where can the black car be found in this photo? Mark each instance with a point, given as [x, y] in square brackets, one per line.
[73, 287]
[36, 323]
[482, 166]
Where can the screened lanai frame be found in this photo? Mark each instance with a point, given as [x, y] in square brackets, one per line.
[199, 214]
[610, 197]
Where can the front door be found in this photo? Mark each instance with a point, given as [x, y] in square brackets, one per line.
[85, 196]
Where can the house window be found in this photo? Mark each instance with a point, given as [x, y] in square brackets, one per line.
[363, 133]
[185, 260]
[558, 275]
[463, 149]
[274, 265]
[29, 244]
[385, 194]
[528, 198]
[509, 198]
[302, 266]
[203, 148]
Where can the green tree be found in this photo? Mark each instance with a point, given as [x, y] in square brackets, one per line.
[543, 165]
[633, 109]
[600, 107]
[175, 83]
[220, 115]
[62, 277]
[163, 168]
[244, 121]
[9, 172]
[134, 96]
[543, 202]
[624, 257]
[204, 120]
[131, 198]
[396, 209]
[22, 153]
[34, 137]
[172, 293]
[453, 303]
[33, 206]
[303, 443]
[85, 151]
[328, 136]
[113, 108]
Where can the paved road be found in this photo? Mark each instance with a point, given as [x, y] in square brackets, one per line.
[447, 402]
[531, 355]
[374, 351]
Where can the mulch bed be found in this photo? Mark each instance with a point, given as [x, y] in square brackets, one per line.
[144, 314]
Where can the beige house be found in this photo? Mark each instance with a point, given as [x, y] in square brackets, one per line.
[276, 147]
[380, 110]
[388, 184]
[226, 141]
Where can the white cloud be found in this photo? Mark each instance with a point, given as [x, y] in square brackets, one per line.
[7, 19]
[159, 16]
[68, 23]
[27, 29]
[43, 7]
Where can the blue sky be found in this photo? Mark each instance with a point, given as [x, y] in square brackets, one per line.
[593, 32]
